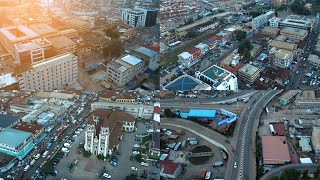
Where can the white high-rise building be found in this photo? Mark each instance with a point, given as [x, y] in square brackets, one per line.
[134, 17]
[54, 73]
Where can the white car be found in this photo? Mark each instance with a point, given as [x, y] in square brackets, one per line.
[150, 131]
[144, 164]
[135, 152]
[235, 165]
[80, 129]
[108, 176]
[136, 145]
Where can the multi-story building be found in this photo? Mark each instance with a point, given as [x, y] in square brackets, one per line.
[139, 17]
[294, 33]
[270, 31]
[218, 78]
[15, 142]
[281, 58]
[80, 25]
[151, 57]
[62, 44]
[274, 22]
[282, 45]
[36, 129]
[15, 34]
[316, 140]
[115, 96]
[53, 73]
[295, 21]
[136, 110]
[314, 60]
[44, 30]
[133, 18]
[186, 59]
[288, 96]
[255, 50]
[123, 70]
[249, 73]
[105, 127]
[262, 20]
[33, 51]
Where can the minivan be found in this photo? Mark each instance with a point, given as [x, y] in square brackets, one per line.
[217, 164]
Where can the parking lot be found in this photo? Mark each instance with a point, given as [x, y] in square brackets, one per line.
[193, 171]
[90, 168]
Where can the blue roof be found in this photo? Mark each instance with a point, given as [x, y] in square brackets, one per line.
[202, 113]
[131, 60]
[6, 120]
[182, 83]
[13, 137]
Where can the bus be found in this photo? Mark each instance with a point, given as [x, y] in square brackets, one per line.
[177, 146]
[267, 110]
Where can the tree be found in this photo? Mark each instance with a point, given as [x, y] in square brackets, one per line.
[100, 157]
[191, 34]
[240, 35]
[305, 175]
[246, 54]
[112, 32]
[86, 153]
[246, 44]
[168, 113]
[298, 8]
[113, 49]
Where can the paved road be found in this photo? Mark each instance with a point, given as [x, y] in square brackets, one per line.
[217, 100]
[278, 171]
[245, 143]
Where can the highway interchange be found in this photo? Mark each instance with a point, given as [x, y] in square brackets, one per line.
[242, 149]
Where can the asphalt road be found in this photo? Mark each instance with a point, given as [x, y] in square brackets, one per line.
[311, 42]
[244, 154]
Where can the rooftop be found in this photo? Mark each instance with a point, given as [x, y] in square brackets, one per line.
[275, 150]
[42, 29]
[6, 80]
[296, 31]
[13, 137]
[77, 22]
[185, 83]
[33, 128]
[146, 51]
[61, 42]
[57, 95]
[185, 55]
[131, 60]
[18, 33]
[283, 45]
[214, 72]
[248, 69]
[7, 120]
[283, 54]
[202, 113]
[168, 167]
[314, 58]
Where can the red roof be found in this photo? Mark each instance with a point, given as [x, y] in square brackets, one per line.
[156, 109]
[193, 50]
[168, 166]
[233, 69]
[279, 128]
[294, 158]
[275, 150]
[33, 128]
[214, 38]
[153, 48]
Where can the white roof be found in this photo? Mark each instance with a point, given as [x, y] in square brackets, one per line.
[185, 55]
[6, 80]
[305, 161]
[131, 60]
[201, 45]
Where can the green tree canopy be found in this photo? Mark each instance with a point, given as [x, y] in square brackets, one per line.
[112, 32]
[113, 49]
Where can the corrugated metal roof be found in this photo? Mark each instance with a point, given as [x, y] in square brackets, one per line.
[202, 113]
[131, 60]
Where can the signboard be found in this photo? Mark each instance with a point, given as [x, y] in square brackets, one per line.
[232, 117]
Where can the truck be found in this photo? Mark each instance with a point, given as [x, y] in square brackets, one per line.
[217, 164]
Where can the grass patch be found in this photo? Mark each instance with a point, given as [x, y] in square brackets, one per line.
[199, 160]
[201, 149]
[171, 57]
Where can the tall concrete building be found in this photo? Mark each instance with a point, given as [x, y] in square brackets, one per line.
[139, 17]
[53, 73]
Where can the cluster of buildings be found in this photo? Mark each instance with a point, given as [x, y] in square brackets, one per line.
[44, 52]
[27, 119]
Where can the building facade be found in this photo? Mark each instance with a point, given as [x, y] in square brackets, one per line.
[53, 73]
[105, 129]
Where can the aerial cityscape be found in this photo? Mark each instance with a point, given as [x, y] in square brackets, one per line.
[239, 45]
[82, 82]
